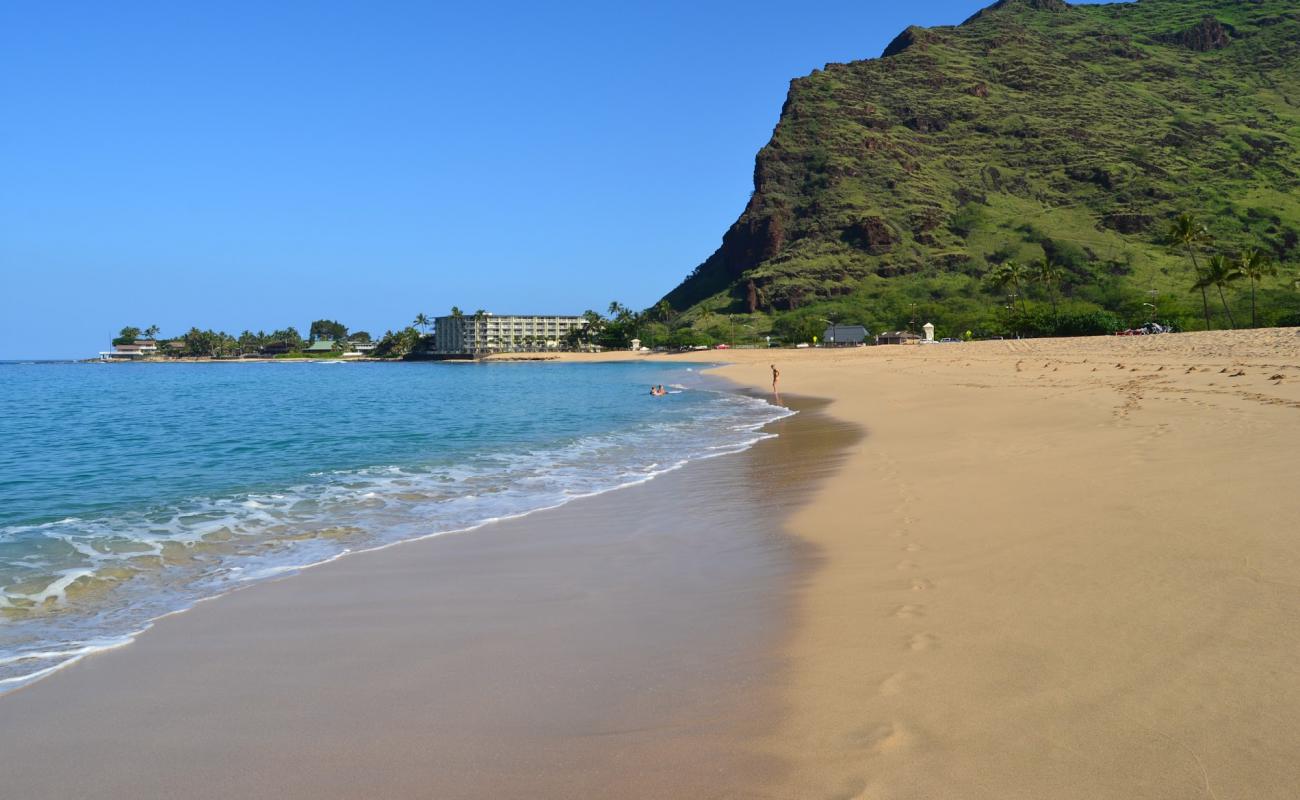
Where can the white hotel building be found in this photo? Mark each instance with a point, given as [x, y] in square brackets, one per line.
[503, 334]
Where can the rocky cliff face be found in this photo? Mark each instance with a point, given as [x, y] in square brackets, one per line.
[1034, 127]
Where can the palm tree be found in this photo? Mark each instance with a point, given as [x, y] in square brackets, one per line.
[1011, 273]
[1255, 265]
[660, 312]
[456, 313]
[1188, 233]
[151, 332]
[421, 321]
[1048, 274]
[1218, 273]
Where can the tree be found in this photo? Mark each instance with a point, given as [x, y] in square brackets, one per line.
[1218, 273]
[200, 344]
[1011, 273]
[249, 342]
[1186, 232]
[395, 345]
[151, 332]
[797, 328]
[359, 336]
[289, 337]
[328, 329]
[1048, 274]
[127, 335]
[456, 313]
[660, 312]
[1254, 265]
[422, 321]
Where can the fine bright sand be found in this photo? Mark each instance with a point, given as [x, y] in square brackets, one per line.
[1052, 569]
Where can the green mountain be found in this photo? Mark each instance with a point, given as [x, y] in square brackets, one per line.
[892, 186]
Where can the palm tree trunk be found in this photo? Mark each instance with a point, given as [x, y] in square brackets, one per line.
[1253, 322]
[1226, 308]
[1205, 298]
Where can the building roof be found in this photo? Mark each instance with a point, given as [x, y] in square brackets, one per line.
[320, 346]
[899, 335]
[846, 332]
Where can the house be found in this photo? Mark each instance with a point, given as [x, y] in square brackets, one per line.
[276, 348]
[320, 346]
[140, 348]
[897, 337]
[844, 335]
[361, 347]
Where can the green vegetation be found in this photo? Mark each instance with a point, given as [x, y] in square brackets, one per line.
[1071, 139]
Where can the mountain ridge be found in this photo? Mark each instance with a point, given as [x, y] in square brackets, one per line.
[1034, 128]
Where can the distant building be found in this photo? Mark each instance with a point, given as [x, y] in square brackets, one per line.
[897, 337]
[503, 334]
[320, 346]
[844, 335]
[275, 348]
[140, 348]
[361, 347]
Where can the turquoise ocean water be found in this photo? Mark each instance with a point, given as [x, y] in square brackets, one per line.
[130, 491]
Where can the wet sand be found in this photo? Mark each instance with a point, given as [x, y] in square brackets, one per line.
[627, 645]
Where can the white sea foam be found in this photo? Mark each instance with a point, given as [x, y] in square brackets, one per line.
[97, 582]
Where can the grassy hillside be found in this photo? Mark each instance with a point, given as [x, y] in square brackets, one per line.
[891, 187]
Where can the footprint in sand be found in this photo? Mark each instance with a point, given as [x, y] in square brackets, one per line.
[922, 584]
[913, 548]
[922, 641]
[908, 611]
[895, 684]
[890, 737]
[906, 565]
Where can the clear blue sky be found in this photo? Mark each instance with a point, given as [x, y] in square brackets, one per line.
[254, 165]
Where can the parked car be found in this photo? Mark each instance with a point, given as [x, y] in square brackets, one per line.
[723, 346]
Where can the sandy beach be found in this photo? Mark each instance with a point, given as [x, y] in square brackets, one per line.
[1053, 568]
[1023, 569]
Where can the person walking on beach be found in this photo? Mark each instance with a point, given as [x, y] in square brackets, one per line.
[776, 376]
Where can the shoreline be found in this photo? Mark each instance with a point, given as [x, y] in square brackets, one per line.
[595, 642]
[751, 432]
[1057, 568]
